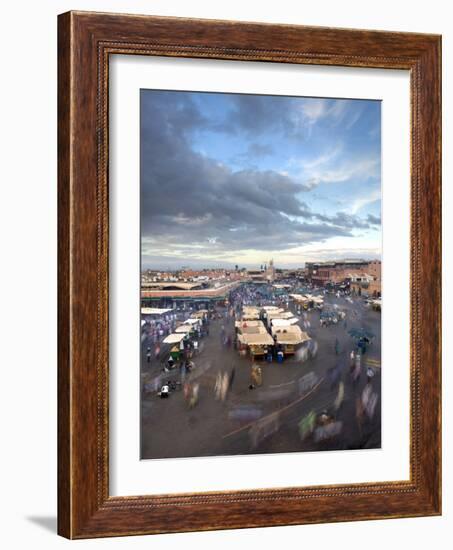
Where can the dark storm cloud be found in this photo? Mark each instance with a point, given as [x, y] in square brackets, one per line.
[190, 200]
[348, 221]
[373, 220]
[254, 114]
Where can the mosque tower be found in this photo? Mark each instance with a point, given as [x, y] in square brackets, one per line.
[270, 271]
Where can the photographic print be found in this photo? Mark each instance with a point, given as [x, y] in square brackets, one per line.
[260, 274]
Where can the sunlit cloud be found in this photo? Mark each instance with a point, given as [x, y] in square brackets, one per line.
[359, 202]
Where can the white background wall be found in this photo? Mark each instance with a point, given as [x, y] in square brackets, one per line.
[28, 269]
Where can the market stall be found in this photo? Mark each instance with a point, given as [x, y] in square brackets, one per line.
[201, 314]
[308, 301]
[284, 322]
[281, 314]
[195, 323]
[154, 311]
[175, 339]
[289, 338]
[250, 313]
[331, 317]
[186, 329]
[256, 343]
[239, 325]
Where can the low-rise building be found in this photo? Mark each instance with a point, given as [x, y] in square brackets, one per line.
[359, 274]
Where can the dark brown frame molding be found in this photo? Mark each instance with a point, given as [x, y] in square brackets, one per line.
[86, 41]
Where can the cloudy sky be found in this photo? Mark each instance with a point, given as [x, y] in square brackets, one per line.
[238, 179]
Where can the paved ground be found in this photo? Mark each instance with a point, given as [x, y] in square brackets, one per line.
[264, 420]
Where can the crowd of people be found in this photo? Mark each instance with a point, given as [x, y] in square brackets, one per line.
[318, 425]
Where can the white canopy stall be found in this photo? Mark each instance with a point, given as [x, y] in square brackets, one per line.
[174, 338]
[284, 322]
[192, 321]
[289, 337]
[154, 311]
[256, 342]
[184, 329]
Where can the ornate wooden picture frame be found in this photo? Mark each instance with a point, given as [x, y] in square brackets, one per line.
[86, 41]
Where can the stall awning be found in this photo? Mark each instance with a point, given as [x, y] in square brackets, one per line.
[258, 339]
[192, 321]
[284, 322]
[250, 316]
[248, 323]
[256, 327]
[199, 314]
[173, 338]
[280, 315]
[289, 337]
[154, 311]
[184, 329]
[250, 310]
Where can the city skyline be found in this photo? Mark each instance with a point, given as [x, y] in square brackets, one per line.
[234, 179]
[256, 266]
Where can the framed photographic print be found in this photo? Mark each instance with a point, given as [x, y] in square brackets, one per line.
[249, 275]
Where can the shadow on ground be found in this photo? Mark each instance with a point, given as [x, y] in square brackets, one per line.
[49, 523]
